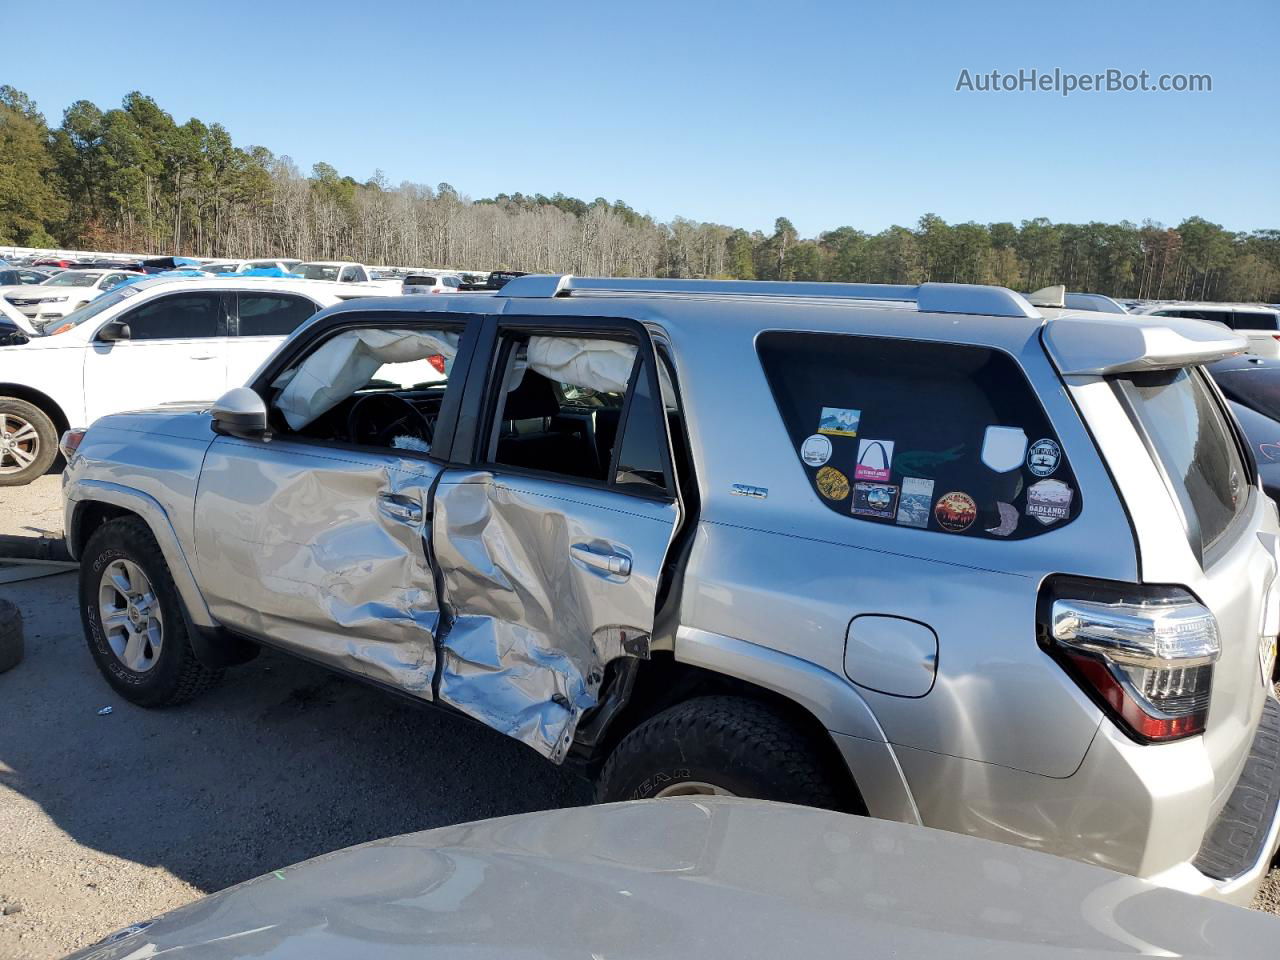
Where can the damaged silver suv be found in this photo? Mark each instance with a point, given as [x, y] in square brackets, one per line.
[920, 552]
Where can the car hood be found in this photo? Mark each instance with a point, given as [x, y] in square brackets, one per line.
[711, 877]
[186, 419]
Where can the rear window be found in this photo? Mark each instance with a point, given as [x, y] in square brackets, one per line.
[1256, 388]
[942, 437]
[1188, 436]
[1255, 320]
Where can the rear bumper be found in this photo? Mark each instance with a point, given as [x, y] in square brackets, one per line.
[1142, 810]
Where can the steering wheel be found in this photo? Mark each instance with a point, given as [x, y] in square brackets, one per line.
[378, 418]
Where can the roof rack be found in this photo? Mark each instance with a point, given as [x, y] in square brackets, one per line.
[928, 297]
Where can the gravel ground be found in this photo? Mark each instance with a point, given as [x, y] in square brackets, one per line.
[105, 820]
[34, 510]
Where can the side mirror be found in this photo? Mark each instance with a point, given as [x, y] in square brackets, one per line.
[113, 331]
[240, 412]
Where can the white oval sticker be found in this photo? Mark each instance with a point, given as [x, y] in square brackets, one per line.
[816, 450]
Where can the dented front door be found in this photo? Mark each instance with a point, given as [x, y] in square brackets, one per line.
[547, 582]
[321, 551]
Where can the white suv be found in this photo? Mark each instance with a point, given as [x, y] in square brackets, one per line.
[1258, 324]
[145, 343]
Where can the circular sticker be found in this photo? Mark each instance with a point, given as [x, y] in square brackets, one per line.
[1043, 457]
[955, 511]
[833, 484]
[816, 450]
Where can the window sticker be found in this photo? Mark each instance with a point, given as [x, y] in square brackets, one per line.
[874, 458]
[917, 499]
[833, 484]
[1043, 457]
[1003, 448]
[955, 511]
[816, 450]
[839, 421]
[1049, 501]
[1008, 520]
[875, 500]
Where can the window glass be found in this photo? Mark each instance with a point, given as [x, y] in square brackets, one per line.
[112, 281]
[317, 271]
[72, 278]
[221, 267]
[641, 464]
[1190, 438]
[941, 437]
[179, 316]
[561, 406]
[372, 387]
[1258, 388]
[1254, 320]
[272, 314]
[10, 278]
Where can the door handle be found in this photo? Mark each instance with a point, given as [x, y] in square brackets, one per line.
[400, 509]
[614, 563]
[203, 356]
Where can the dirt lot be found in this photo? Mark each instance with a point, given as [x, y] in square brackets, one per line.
[109, 819]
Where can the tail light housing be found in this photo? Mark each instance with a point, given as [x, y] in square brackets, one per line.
[70, 441]
[1144, 653]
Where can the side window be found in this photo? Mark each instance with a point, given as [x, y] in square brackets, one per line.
[180, 316]
[272, 314]
[579, 407]
[111, 281]
[348, 275]
[368, 386]
[942, 437]
[1254, 320]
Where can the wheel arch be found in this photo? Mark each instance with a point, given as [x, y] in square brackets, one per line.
[50, 407]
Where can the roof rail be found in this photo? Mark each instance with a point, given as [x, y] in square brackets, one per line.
[928, 297]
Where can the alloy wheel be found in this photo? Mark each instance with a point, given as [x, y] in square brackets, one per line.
[19, 443]
[130, 614]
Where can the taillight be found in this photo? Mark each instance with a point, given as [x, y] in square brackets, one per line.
[1144, 653]
[437, 360]
[70, 441]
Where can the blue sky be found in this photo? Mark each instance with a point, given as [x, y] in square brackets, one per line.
[829, 113]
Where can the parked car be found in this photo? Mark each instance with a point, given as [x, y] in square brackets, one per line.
[338, 271]
[417, 283]
[22, 276]
[47, 304]
[154, 265]
[775, 540]
[1251, 385]
[717, 878]
[1058, 296]
[1258, 324]
[154, 341]
[285, 264]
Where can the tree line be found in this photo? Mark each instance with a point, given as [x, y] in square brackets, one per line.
[131, 178]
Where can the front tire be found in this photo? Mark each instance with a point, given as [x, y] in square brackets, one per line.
[726, 746]
[133, 618]
[28, 442]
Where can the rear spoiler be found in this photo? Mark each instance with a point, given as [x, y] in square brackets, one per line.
[1132, 344]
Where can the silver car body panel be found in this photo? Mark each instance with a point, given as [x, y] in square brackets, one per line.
[716, 876]
[323, 552]
[536, 613]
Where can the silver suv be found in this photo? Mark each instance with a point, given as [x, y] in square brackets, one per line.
[920, 552]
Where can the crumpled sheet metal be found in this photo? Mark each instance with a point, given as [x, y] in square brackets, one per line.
[344, 364]
[533, 628]
[297, 548]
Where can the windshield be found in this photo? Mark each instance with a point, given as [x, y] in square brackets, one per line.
[317, 271]
[1190, 438]
[91, 309]
[72, 278]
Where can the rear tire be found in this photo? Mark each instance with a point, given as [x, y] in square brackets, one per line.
[133, 618]
[726, 745]
[28, 442]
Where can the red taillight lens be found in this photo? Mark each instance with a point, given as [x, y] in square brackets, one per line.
[70, 441]
[1143, 653]
[437, 361]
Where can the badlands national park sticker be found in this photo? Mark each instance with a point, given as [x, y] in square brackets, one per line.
[1049, 501]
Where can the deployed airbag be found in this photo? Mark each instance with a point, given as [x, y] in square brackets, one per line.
[600, 365]
[344, 365]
